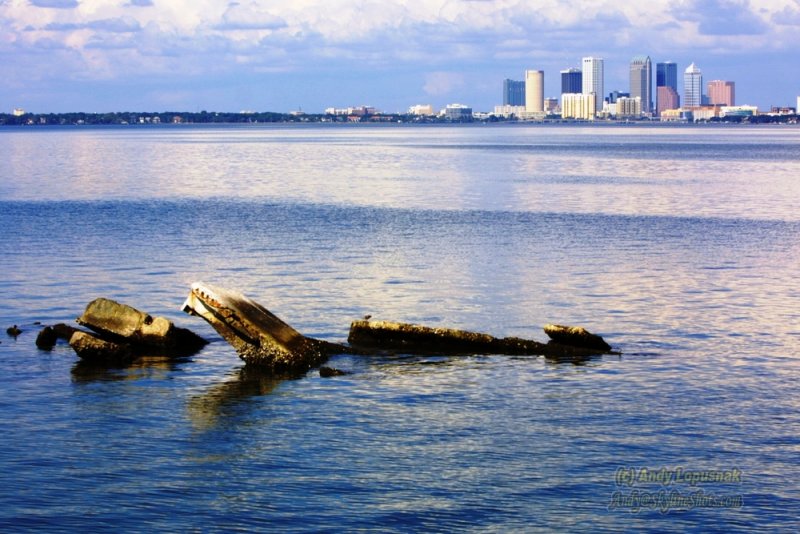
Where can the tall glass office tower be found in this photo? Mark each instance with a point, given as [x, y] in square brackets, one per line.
[667, 75]
[642, 81]
[513, 93]
[571, 81]
[692, 87]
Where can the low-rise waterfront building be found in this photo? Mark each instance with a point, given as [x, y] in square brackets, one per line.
[457, 112]
[358, 111]
[508, 111]
[677, 115]
[629, 107]
[421, 110]
[738, 111]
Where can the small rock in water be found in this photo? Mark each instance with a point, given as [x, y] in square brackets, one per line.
[94, 349]
[13, 331]
[327, 372]
[576, 336]
[47, 338]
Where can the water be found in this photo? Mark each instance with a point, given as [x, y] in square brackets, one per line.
[681, 246]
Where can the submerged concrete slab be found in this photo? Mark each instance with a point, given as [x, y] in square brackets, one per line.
[259, 336]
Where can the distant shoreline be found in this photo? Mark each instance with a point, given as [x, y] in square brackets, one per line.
[205, 118]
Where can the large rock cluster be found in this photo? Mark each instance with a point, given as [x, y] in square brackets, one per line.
[119, 333]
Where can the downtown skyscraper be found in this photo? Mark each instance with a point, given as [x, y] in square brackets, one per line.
[593, 79]
[721, 93]
[513, 93]
[667, 75]
[642, 81]
[571, 81]
[534, 91]
[667, 86]
[692, 87]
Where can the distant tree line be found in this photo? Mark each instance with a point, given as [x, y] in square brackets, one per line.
[200, 117]
[216, 117]
[126, 117]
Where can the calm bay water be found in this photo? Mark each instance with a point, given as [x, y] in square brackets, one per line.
[681, 246]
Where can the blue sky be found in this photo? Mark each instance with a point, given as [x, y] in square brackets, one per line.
[267, 55]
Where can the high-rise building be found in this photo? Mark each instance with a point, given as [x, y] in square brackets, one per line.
[513, 93]
[534, 91]
[721, 93]
[692, 87]
[667, 98]
[667, 75]
[571, 81]
[642, 81]
[593, 79]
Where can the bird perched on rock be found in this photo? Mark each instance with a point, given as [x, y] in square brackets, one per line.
[367, 317]
[13, 331]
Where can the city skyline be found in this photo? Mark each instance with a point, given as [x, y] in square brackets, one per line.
[69, 55]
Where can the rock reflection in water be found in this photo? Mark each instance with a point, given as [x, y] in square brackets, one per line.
[208, 408]
[143, 367]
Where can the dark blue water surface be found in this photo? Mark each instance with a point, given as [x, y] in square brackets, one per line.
[682, 252]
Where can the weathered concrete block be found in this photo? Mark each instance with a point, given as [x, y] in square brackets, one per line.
[94, 349]
[120, 322]
[576, 336]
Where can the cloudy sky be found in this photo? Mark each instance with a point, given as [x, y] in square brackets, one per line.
[279, 55]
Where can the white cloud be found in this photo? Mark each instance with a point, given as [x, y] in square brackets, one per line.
[721, 17]
[445, 42]
[249, 17]
[114, 25]
[443, 83]
[58, 4]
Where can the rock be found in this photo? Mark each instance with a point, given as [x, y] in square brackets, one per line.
[415, 339]
[260, 337]
[93, 349]
[576, 336]
[48, 336]
[122, 323]
[13, 331]
[327, 372]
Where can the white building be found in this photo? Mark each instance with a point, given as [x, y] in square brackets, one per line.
[508, 111]
[18, 112]
[738, 111]
[592, 81]
[578, 106]
[357, 110]
[421, 109]
[457, 112]
[692, 87]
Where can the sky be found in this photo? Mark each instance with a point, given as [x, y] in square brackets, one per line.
[277, 55]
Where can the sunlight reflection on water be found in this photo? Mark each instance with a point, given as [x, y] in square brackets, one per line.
[688, 266]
